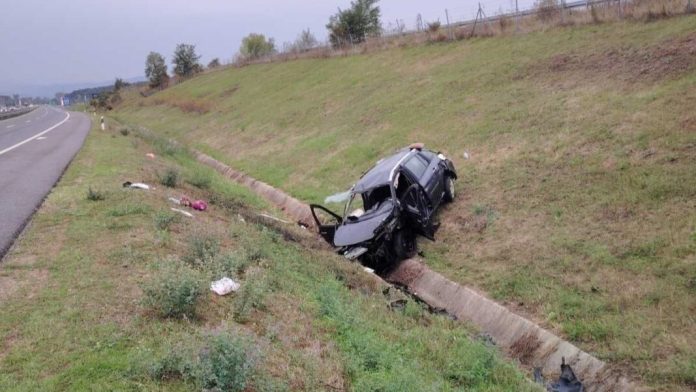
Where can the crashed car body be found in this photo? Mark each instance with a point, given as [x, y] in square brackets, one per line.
[390, 204]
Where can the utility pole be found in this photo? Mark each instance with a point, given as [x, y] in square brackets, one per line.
[517, 17]
[449, 30]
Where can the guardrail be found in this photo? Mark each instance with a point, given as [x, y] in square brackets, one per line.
[15, 113]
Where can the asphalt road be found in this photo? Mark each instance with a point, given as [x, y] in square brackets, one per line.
[35, 150]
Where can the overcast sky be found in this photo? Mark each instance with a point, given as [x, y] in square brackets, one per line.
[49, 42]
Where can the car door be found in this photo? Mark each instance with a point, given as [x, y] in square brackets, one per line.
[433, 179]
[425, 173]
[328, 225]
[416, 207]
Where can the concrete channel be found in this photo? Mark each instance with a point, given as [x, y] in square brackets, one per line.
[520, 338]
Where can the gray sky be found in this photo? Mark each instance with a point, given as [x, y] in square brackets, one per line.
[70, 42]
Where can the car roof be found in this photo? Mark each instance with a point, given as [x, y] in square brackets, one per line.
[380, 174]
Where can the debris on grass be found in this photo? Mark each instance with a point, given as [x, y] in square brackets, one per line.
[136, 185]
[224, 286]
[151, 155]
[182, 212]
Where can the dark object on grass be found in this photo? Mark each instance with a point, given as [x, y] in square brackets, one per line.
[567, 381]
[94, 195]
[390, 204]
[399, 304]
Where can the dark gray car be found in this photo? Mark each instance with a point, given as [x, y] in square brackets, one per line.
[390, 204]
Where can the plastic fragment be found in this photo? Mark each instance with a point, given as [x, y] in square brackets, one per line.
[224, 286]
[182, 212]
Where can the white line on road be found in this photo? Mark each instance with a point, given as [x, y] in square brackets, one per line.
[10, 126]
[28, 121]
[67, 116]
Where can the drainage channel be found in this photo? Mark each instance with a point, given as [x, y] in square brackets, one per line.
[522, 339]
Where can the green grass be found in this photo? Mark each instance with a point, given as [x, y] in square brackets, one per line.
[580, 188]
[77, 320]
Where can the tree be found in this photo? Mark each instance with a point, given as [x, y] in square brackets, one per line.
[305, 41]
[119, 84]
[156, 70]
[214, 63]
[255, 46]
[186, 61]
[354, 24]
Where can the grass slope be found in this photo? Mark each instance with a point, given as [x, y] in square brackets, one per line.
[577, 207]
[74, 316]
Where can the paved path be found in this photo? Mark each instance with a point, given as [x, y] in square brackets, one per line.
[35, 149]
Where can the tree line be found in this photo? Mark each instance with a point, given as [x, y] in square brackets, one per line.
[346, 27]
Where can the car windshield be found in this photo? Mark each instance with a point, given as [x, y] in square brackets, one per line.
[363, 205]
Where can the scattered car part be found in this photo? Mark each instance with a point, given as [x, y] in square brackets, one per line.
[390, 204]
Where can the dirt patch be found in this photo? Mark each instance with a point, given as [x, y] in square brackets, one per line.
[8, 286]
[406, 273]
[524, 348]
[668, 59]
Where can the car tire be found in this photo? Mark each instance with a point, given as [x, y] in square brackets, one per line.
[403, 244]
[449, 188]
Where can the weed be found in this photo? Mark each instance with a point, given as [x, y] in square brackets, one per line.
[221, 362]
[203, 248]
[174, 292]
[170, 178]
[129, 209]
[95, 195]
[164, 219]
[225, 364]
[124, 131]
[250, 297]
[200, 178]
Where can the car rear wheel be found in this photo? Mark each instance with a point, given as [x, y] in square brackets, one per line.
[449, 188]
[404, 244]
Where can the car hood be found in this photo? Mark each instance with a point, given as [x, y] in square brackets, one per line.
[353, 233]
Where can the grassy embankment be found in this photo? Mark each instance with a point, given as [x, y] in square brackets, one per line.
[577, 207]
[85, 292]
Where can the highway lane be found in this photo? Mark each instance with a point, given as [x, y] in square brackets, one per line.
[35, 149]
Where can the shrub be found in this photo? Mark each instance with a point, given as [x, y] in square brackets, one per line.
[174, 293]
[124, 131]
[95, 195]
[222, 363]
[250, 297]
[203, 249]
[200, 178]
[170, 178]
[164, 219]
[547, 9]
[434, 27]
[214, 63]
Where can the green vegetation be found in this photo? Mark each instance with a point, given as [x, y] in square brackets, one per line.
[175, 291]
[93, 297]
[577, 202]
[170, 178]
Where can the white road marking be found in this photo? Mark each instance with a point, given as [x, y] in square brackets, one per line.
[10, 126]
[28, 121]
[41, 138]
[67, 116]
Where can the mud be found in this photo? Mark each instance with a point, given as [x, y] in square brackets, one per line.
[520, 338]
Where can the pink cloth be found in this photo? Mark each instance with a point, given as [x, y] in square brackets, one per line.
[199, 205]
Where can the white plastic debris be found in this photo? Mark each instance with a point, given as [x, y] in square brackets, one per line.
[182, 212]
[224, 286]
[369, 270]
[466, 155]
[136, 185]
[175, 200]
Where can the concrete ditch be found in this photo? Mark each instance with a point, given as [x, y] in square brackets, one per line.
[521, 339]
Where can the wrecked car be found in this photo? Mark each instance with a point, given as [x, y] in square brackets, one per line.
[390, 204]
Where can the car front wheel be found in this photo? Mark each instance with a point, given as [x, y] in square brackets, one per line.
[403, 244]
[449, 188]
